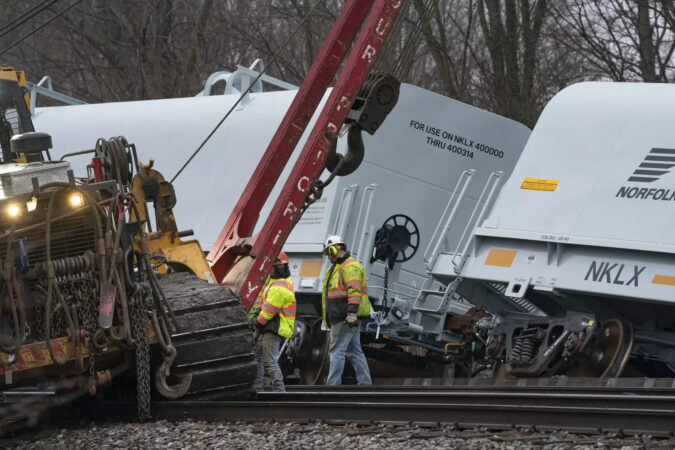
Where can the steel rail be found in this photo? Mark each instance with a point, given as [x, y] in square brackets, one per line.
[643, 411]
[639, 419]
[482, 397]
[662, 389]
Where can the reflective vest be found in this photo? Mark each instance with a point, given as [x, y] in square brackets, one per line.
[346, 291]
[255, 309]
[277, 311]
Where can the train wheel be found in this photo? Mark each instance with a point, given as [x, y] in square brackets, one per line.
[315, 368]
[611, 353]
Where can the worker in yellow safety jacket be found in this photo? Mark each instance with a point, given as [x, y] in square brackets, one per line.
[344, 300]
[274, 320]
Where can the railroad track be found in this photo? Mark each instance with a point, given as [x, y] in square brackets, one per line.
[626, 410]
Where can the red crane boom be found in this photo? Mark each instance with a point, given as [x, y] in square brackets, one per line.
[235, 238]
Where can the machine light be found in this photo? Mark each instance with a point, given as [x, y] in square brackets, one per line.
[14, 210]
[76, 200]
[31, 204]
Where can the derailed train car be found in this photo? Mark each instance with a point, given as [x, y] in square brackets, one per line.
[577, 257]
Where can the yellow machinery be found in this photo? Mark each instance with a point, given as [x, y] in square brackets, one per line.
[88, 287]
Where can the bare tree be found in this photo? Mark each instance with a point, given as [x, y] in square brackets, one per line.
[507, 56]
[448, 30]
[511, 32]
[143, 49]
[621, 40]
[490, 53]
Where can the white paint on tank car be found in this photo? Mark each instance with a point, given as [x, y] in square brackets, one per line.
[590, 206]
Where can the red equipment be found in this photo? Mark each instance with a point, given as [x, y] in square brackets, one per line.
[234, 239]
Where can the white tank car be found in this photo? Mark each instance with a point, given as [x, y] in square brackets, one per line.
[411, 167]
[581, 239]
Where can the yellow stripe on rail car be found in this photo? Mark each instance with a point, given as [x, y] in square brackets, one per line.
[667, 280]
[500, 257]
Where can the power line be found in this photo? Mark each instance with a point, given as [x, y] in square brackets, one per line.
[250, 86]
[25, 17]
[40, 27]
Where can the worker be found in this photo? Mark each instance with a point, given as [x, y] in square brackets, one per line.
[275, 320]
[344, 300]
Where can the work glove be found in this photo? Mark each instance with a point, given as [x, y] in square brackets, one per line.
[253, 321]
[351, 319]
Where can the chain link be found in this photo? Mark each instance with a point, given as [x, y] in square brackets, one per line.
[80, 290]
[316, 191]
[386, 286]
[139, 320]
[314, 194]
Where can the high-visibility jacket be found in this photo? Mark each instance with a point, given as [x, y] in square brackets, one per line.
[277, 312]
[345, 292]
[255, 309]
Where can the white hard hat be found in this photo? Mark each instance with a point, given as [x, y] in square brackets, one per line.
[332, 240]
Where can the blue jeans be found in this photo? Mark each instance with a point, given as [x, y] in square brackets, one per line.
[267, 355]
[346, 341]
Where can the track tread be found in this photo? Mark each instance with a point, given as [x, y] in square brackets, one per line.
[222, 358]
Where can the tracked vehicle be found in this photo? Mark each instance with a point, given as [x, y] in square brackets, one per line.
[93, 283]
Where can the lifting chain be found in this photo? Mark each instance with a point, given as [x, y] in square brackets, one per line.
[316, 191]
[58, 322]
[76, 283]
[385, 290]
[139, 332]
[83, 292]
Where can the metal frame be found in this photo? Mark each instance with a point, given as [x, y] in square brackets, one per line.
[365, 232]
[48, 91]
[344, 211]
[238, 81]
[438, 237]
[487, 195]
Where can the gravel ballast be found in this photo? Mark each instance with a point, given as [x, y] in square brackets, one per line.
[269, 435]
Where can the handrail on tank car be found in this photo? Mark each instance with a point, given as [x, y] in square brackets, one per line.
[439, 235]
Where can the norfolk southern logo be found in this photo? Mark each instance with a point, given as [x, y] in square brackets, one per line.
[657, 163]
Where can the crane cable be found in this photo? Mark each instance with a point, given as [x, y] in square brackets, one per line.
[398, 63]
[25, 17]
[248, 89]
[59, 14]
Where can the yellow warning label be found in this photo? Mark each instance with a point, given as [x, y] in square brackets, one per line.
[537, 184]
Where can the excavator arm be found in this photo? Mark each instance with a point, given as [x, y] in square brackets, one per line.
[235, 239]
